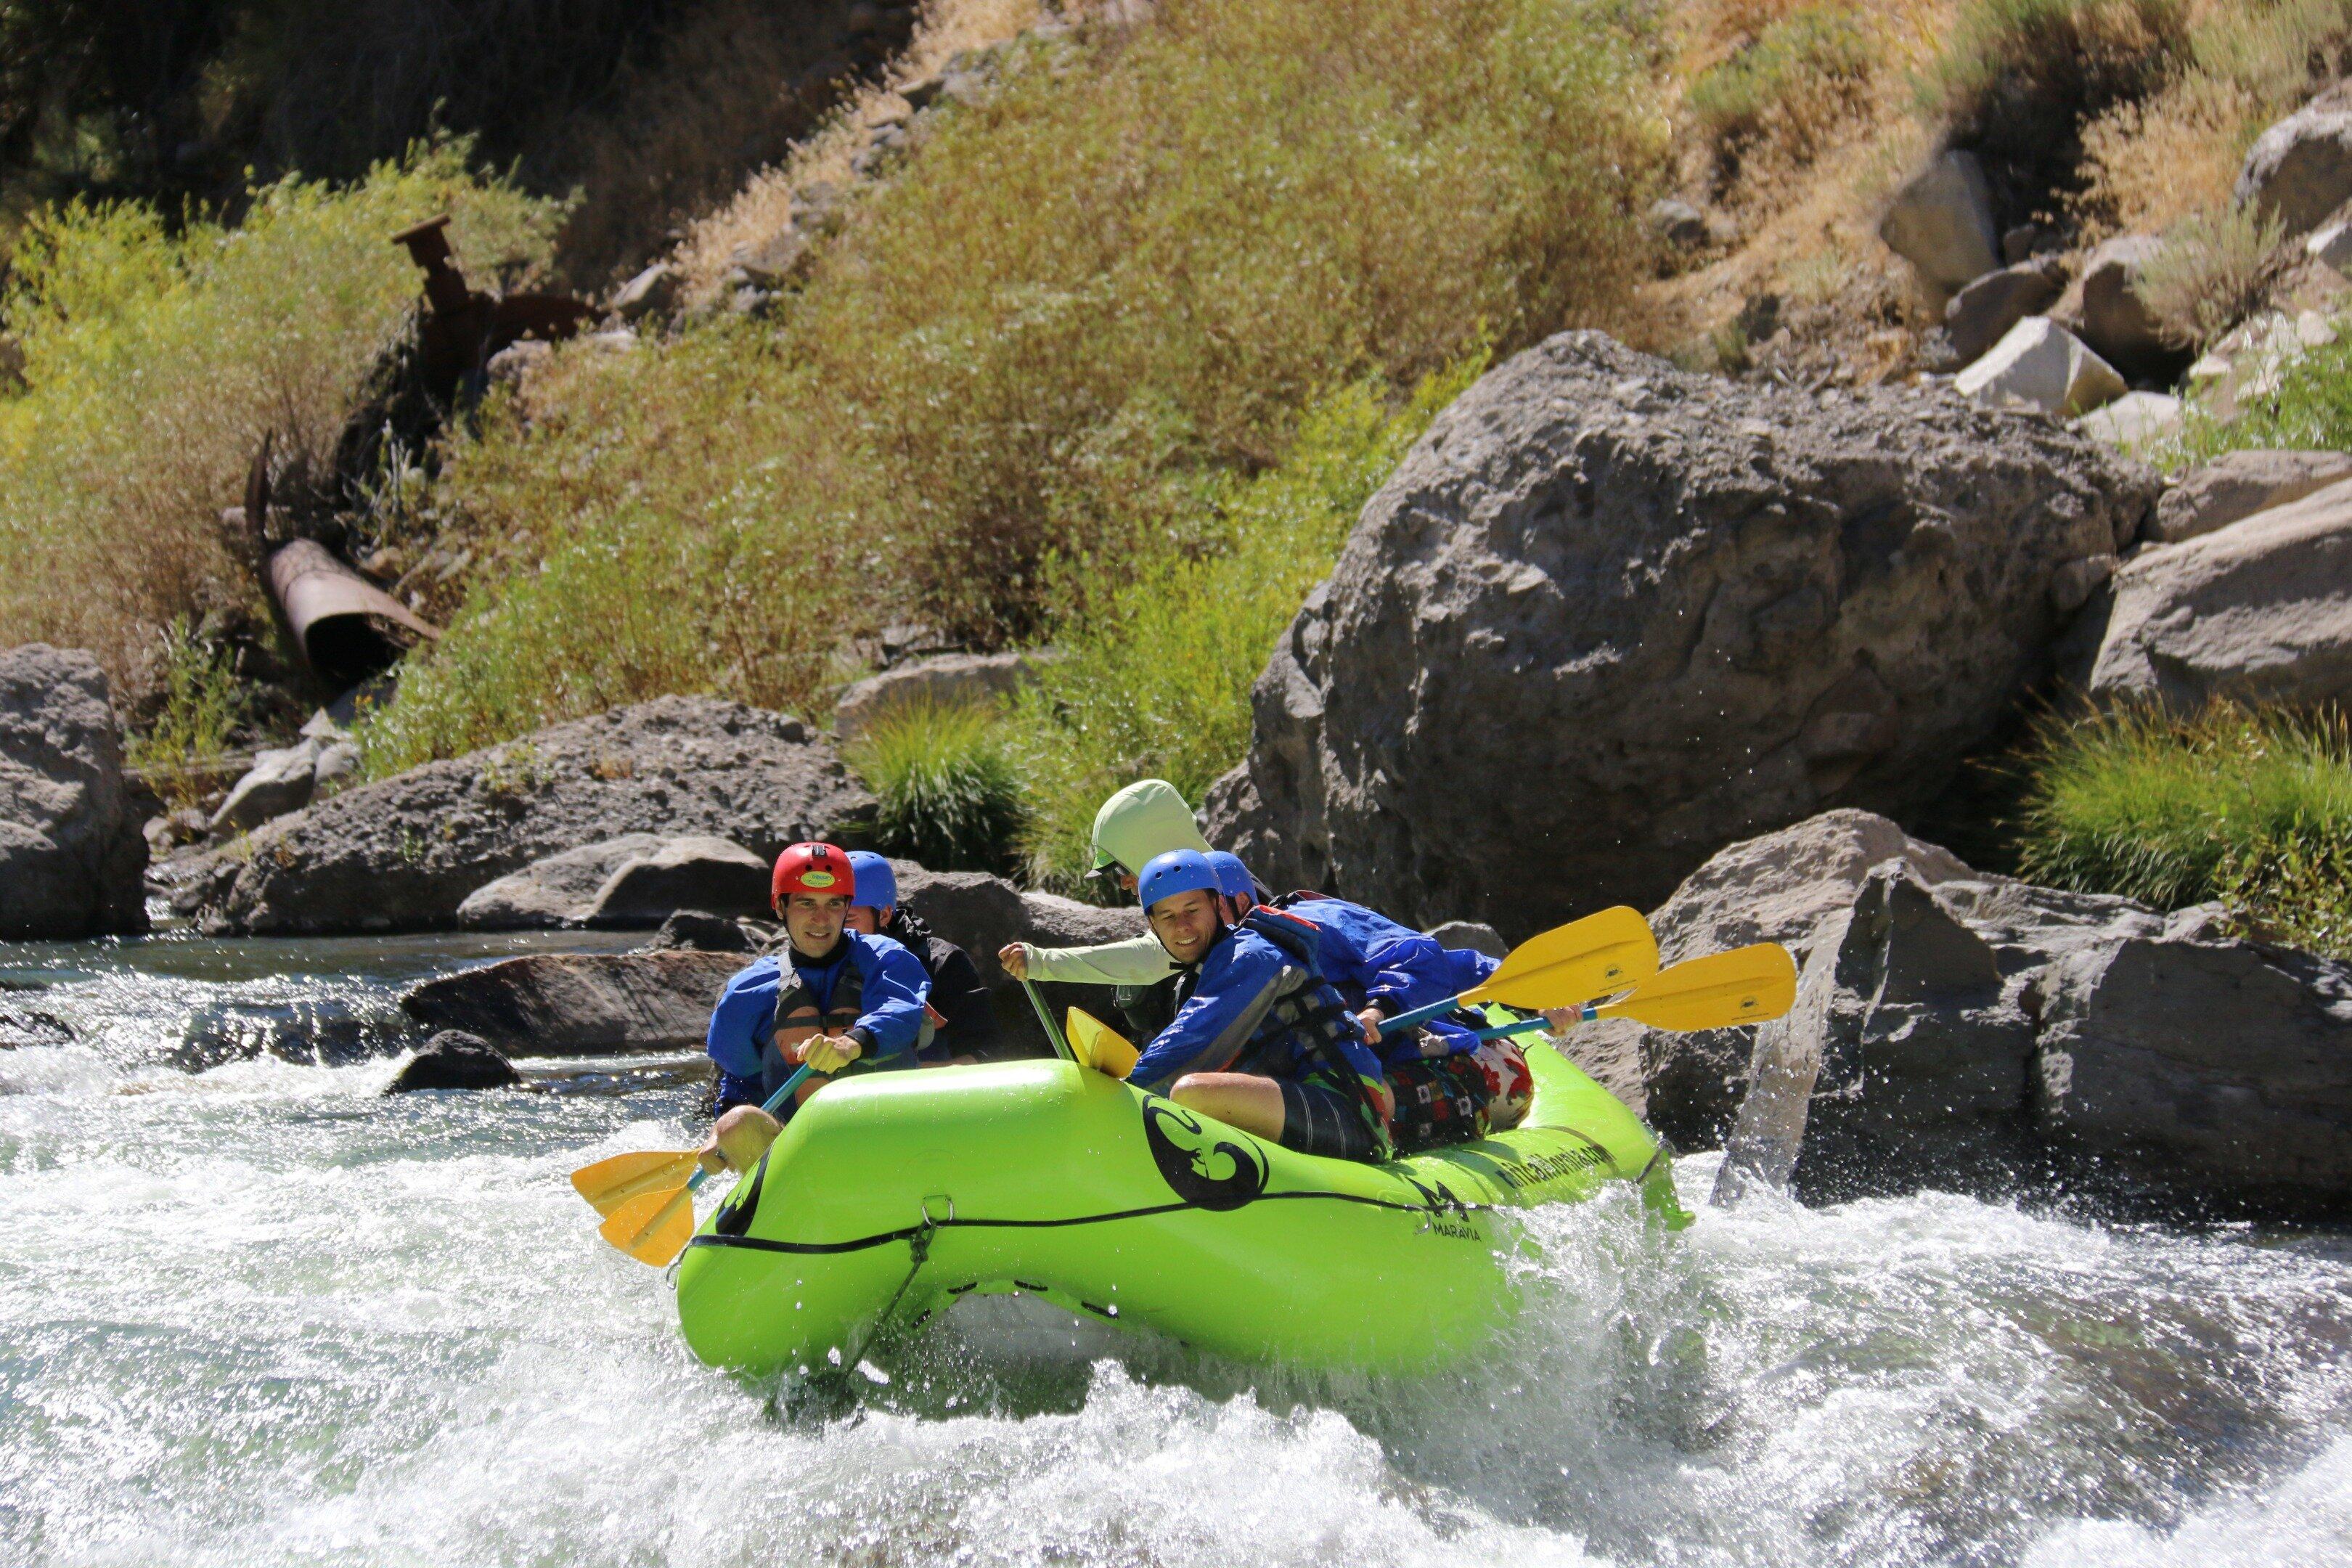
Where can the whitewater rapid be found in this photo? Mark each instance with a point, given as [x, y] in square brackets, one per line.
[253, 1312]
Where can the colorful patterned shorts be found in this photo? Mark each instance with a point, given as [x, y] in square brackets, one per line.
[1456, 1098]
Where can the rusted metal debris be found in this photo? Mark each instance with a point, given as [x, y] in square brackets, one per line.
[346, 628]
[463, 327]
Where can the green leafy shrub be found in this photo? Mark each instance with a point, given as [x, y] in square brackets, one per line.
[2254, 807]
[201, 702]
[950, 796]
[1789, 87]
[1156, 673]
[156, 358]
[1080, 306]
[2308, 408]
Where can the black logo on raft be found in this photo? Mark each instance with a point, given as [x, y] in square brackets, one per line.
[1206, 1171]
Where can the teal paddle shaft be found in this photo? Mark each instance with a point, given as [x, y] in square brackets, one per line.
[1421, 1014]
[1529, 1025]
[1046, 1020]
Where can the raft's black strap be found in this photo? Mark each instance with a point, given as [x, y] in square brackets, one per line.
[859, 1244]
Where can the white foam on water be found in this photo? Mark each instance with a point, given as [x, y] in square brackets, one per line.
[261, 1314]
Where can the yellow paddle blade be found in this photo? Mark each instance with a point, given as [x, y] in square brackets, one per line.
[652, 1227]
[1098, 1045]
[609, 1183]
[1721, 991]
[1596, 956]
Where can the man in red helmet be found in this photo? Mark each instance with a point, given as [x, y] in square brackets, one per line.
[835, 998]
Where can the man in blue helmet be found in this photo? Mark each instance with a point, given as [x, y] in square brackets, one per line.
[962, 1021]
[1260, 1039]
[834, 999]
[1446, 1084]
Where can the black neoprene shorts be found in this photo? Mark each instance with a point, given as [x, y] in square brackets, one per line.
[1319, 1119]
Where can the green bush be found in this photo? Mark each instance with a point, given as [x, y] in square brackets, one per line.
[2309, 408]
[1156, 673]
[1799, 77]
[1079, 307]
[950, 796]
[201, 703]
[2252, 806]
[156, 358]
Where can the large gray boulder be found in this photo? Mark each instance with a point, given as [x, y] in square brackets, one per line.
[554, 892]
[404, 853]
[2236, 485]
[2300, 170]
[1941, 223]
[579, 1004]
[2039, 367]
[1607, 618]
[948, 679]
[1982, 314]
[1979, 1032]
[2113, 317]
[73, 859]
[279, 782]
[696, 872]
[2259, 610]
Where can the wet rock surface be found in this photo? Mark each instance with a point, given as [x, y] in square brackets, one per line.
[557, 1004]
[1607, 618]
[73, 856]
[1982, 1032]
[404, 852]
[456, 1059]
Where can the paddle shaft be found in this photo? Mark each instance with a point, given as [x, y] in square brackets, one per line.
[1528, 1025]
[1046, 1020]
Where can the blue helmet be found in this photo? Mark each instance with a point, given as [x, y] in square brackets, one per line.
[1178, 871]
[1234, 880]
[877, 885]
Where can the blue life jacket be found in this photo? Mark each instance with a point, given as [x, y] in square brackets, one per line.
[869, 987]
[1403, 970]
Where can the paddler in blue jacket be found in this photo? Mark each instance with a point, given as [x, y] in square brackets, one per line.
[1261, 1040]
[846, 998]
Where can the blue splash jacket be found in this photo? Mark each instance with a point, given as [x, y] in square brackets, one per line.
[1225, 1021]
[1396, 968]
[892, 991]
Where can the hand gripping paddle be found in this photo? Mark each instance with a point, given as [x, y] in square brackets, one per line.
[1721, 991]
[647, 1197]
[1597, 956]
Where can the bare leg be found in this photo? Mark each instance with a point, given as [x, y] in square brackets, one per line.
[1240, 1100]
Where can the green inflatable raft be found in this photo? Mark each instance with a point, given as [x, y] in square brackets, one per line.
[891, 1196]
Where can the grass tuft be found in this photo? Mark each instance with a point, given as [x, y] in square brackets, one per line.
[950, 796]
[2251, 806]
[1802, 77]
[2214, 270]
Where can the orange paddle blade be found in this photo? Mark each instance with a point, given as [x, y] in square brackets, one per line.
[1721, 991]
[609, 1183]
[1098, 1045]
[654, 1227]
[1597, 956]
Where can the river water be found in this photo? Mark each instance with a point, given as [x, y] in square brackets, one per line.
[251, 1311]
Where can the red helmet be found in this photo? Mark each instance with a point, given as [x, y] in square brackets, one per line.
[813, 868]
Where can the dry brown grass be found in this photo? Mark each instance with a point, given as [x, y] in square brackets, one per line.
[765, 206]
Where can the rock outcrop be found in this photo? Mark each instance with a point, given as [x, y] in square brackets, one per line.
[556, 891]
[579, 1004]
[455, 1059]
[2261, 610]
[2039, 367]
[280, 780]
[72, 854]
[1607, 616]
[698, 872]
[2300, 170]
[948, 679]
[404, 854]
[1982, 314]
[2114, 318]
[1980, 1032]
[2237, 485]
[1941, 223]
